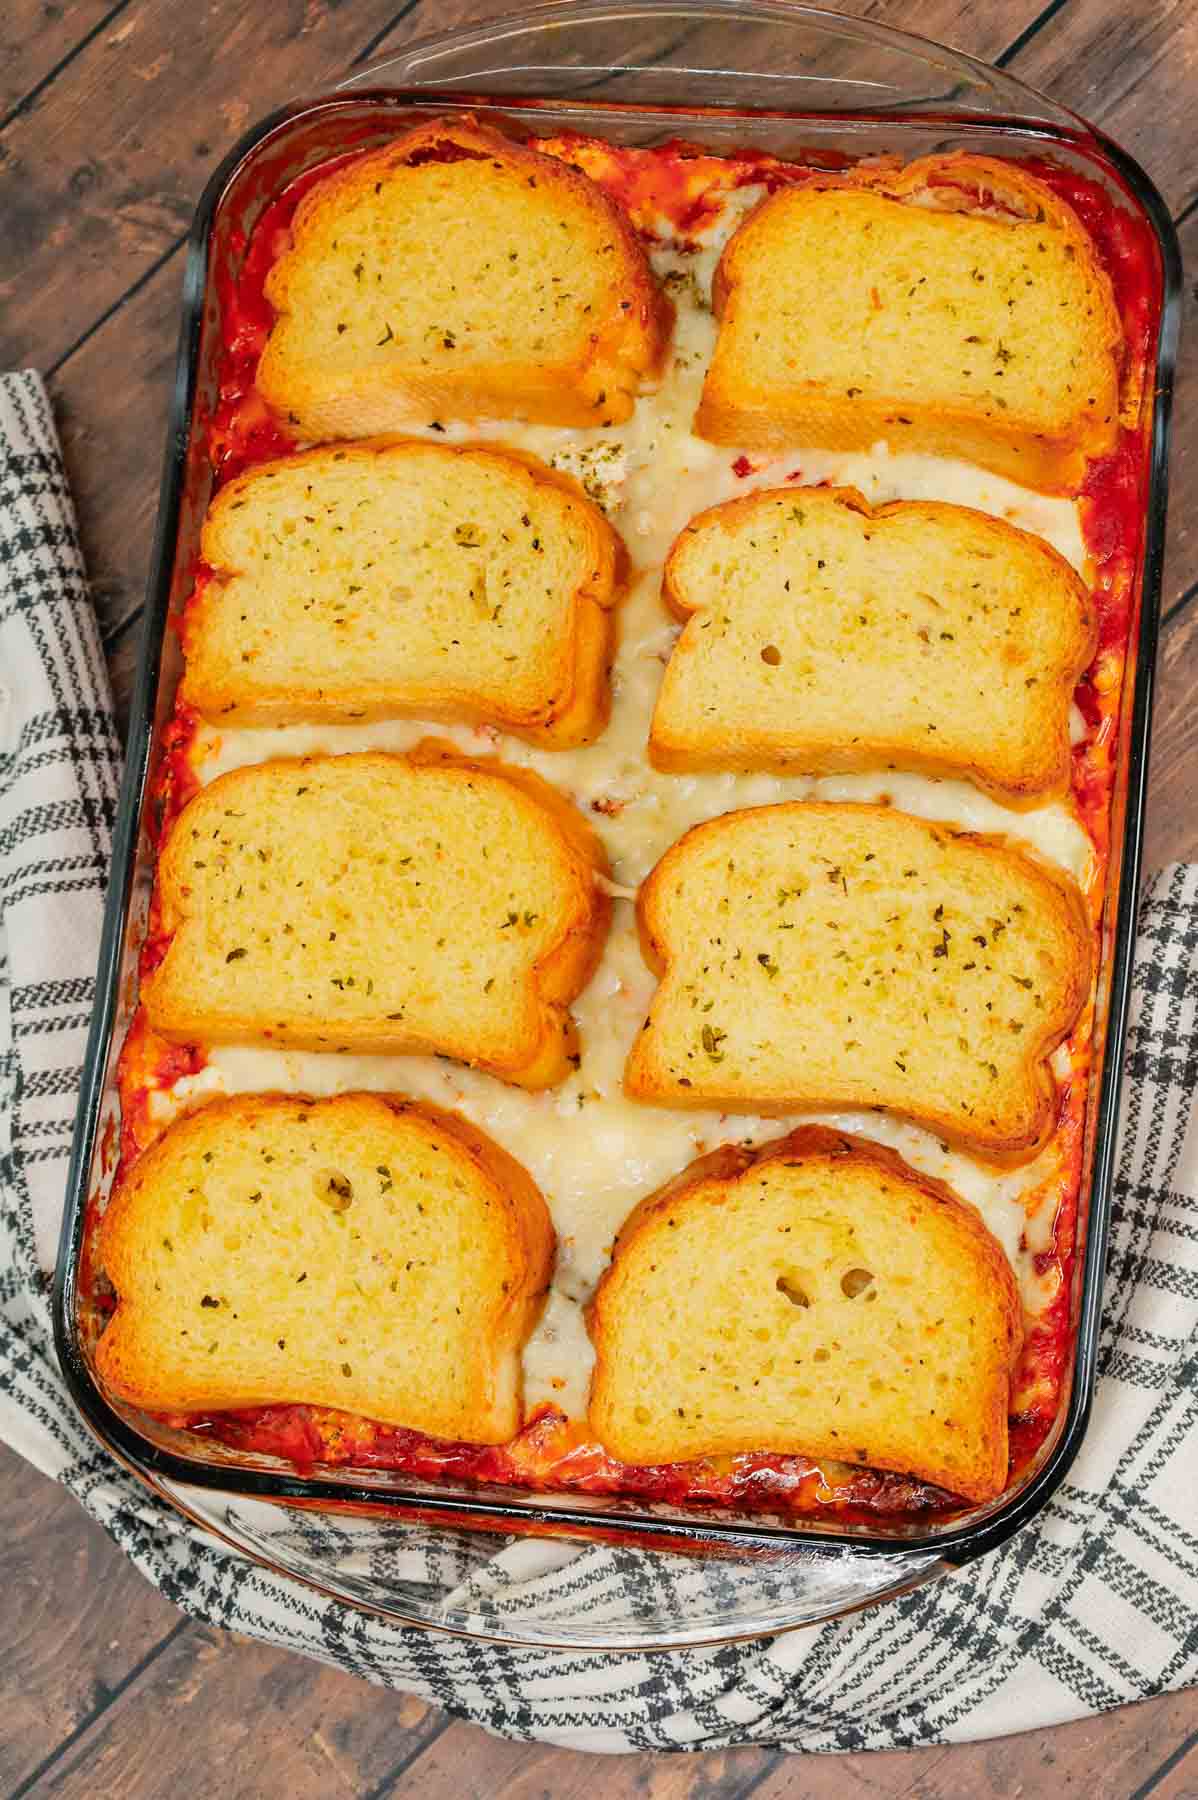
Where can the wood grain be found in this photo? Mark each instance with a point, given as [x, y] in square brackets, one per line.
[1130, 70]
[101, 174]
[77, 1618]
[1172, 826]
[465, 1764]
[1181, 560]
[147, 1705]
[215, 1717]
[1106, 1758]
[40, 37]
[111, 118]
[113, 437]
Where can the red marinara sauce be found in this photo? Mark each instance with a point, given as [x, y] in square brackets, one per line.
[241, 430]
[1113, 503]
[148, 1065]
[677, 186]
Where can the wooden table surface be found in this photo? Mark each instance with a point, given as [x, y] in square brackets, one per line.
[112, 114]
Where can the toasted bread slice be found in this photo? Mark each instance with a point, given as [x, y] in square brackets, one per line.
[381, 903]
[956, 306]
[824, 955]
[372, 581]
[816, 1296]
[823, 635]
[455, 274]
[361, 1252]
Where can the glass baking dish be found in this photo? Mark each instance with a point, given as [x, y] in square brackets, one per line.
[725, 74]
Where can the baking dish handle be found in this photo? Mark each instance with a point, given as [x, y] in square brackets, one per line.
[810, 61]
[550, 1591]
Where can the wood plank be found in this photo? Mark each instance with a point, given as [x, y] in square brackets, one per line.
[78, 1618]
[1177, 1777]
[39, 36]
[113, 437]
[1130, 70]
[122, 666]
[243, 1702]
[102, 173]
[1105, 1757]
[1126, 1746]
[466, 1763]
[1172, 826]
[217, 1716]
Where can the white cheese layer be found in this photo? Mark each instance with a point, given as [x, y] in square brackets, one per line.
[593, 1153]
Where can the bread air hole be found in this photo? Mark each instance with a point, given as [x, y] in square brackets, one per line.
[854, 1282]
[335, 1190]
[786, 1284]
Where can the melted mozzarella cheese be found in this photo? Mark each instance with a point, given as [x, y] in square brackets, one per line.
[593, 1153]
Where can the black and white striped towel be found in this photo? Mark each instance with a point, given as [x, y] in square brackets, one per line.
[1095, 1604]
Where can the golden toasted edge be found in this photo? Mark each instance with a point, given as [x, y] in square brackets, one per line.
[526, 1217]
[569, 965]
[1003, 1148]
[728, 1166]
[1049, 762]
[630, 342]
[556, 978]
[576, 714]
[1049, 464]
[583, 717]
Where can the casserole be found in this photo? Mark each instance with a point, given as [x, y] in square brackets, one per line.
[554, 89]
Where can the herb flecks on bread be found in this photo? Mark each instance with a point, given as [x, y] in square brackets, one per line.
[358, 1252]
[379, 581]
[373, 902]
[824, 635]
[456, 274]
[816, 1296]
[854, 956]
[954, 306]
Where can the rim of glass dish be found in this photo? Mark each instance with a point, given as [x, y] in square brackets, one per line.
[561, 14]
[152, 1463]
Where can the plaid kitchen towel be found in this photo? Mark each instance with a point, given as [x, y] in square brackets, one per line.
[1094, 1604]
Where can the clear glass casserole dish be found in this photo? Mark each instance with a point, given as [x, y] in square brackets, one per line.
[786, 79]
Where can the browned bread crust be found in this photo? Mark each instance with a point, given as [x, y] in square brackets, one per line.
[823, 634]
[816, 1296]
[361, 1252]
[456, 274]
[383, 580]
[419, 903]
[818, 955]
[955, 306]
